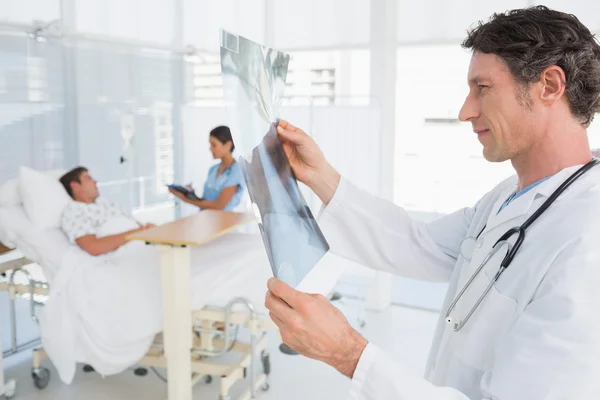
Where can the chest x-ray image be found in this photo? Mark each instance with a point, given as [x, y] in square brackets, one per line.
[254, 79]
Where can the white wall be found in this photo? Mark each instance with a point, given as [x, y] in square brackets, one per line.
[147, 20]
[320, 23]
[26, 11]
[293, 24]
[204, 19]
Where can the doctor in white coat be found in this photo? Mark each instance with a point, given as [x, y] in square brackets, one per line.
[534, 82]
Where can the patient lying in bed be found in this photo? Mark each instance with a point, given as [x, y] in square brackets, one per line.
[83, 219]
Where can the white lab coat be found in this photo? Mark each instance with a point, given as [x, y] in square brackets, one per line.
[536, 335]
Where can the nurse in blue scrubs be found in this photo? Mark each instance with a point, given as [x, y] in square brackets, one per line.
[224, 185]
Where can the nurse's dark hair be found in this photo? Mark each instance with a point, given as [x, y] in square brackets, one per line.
[73, 175]
[529, 40]
[223, 135]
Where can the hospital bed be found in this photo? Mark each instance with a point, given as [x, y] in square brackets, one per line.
[212, 328]
[209, 342]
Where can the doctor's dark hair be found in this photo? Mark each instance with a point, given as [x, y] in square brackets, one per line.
[73, 175]
[223, 135]
[532, 39]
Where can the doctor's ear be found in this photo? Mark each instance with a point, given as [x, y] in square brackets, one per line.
[553, 83]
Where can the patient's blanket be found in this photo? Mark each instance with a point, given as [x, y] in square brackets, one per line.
[105, 311]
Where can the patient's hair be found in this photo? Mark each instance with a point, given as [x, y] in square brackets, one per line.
[223, 135]
[73, 175]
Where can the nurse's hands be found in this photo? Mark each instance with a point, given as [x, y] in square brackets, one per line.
[308, 162]
[312, 326]
[177, 194]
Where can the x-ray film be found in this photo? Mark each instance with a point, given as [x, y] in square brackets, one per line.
[254, 79]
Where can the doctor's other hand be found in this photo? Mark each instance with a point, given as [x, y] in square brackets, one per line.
[312, 326]
[308, 162]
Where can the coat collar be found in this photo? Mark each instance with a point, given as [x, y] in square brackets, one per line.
[526, 203]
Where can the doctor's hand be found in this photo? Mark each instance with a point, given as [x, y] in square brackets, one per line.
[308, 162]
[312, 326]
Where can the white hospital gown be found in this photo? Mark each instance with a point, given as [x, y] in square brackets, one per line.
[81, 219]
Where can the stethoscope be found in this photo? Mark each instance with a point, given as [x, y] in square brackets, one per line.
[467, 246]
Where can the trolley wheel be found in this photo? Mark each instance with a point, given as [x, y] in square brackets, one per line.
[140, 371]
[208, 379]
[265, 387]
[88, 368]
[41, 377]
[285, 349]
[265, 358]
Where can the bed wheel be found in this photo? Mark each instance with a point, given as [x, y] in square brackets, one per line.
[208, 379]
[41, 377]
[88, 368]
[140, 371]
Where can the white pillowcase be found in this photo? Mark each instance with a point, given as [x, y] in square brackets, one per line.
[44, 198]
[10, 195]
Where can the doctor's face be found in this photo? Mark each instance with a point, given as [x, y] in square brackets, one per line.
[499, 109]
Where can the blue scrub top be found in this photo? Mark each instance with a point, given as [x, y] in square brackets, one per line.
[514, 196]
[232, 176]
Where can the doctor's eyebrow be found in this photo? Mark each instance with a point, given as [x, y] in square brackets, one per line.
[478, 80]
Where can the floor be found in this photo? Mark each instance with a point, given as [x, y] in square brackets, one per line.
[403, 332]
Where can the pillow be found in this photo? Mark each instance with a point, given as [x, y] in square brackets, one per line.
[44, 198]
[10, 195]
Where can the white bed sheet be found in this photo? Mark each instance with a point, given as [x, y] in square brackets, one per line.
[47, 247]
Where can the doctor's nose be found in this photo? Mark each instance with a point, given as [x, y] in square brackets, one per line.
[469, 110]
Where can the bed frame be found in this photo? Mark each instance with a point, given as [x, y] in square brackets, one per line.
[212, 328]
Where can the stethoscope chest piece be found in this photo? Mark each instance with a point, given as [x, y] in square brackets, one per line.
[467, 247]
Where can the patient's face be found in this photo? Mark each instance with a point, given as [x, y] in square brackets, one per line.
[87, 190]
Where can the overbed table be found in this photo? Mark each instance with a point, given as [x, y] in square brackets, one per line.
[175, 240]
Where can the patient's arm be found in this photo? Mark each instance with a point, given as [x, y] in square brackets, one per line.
[98, 246]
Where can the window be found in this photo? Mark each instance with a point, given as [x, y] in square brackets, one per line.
[594, 133]
[164, 162]
[325, 77]
[204, 73]
[329, 78]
